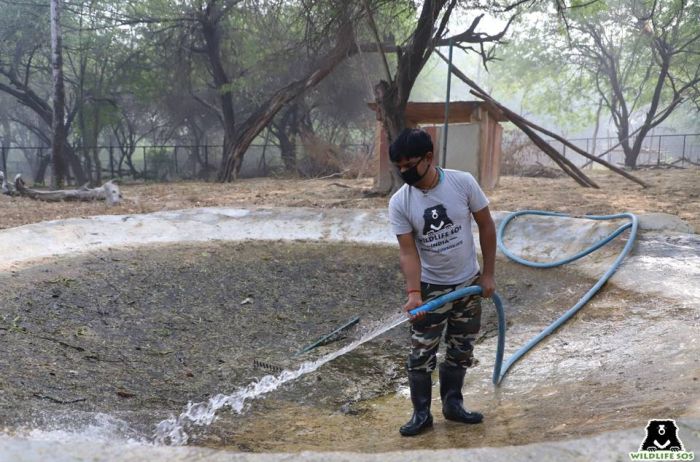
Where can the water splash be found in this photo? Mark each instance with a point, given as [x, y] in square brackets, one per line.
[174, 430]
[79, 427]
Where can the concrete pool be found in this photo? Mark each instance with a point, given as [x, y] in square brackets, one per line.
[113, 323]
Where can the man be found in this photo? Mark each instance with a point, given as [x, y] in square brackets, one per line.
[431, 216]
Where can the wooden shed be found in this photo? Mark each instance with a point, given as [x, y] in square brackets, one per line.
[473, 139]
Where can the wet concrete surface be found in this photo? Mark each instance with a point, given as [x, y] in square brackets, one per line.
[610, 446]
[120, 339]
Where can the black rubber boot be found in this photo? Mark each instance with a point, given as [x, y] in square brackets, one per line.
[421, 385]
[451, 381]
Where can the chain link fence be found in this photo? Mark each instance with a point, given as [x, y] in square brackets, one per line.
[163, 163]
[681, 150]
[671, 150]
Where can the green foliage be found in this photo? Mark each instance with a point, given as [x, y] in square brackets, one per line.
[533, 77]
[562, 69]
[157, 154]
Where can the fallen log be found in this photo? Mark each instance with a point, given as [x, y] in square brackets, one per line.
[108, 192]
[6, 187]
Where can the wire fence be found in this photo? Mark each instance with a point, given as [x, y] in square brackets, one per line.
[680, 150]
[175, 162]
[163, 163]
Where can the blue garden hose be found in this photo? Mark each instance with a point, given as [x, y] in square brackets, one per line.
[437, 302]
[500, 370]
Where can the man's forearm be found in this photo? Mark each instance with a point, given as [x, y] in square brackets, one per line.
[487, 239]
[410, 267]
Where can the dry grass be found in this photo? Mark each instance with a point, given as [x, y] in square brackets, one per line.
[676, 192]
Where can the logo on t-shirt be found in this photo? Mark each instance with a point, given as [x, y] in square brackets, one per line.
[435, 219]
[440, 234]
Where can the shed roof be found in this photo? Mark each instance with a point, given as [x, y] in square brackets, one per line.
[460, 111]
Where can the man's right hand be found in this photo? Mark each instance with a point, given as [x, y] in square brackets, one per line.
[414, 301]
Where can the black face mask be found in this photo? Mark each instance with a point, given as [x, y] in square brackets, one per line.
[411, 176]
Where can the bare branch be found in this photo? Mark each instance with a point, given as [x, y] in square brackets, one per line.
[470, 36]
[209, 106]
[375, 32]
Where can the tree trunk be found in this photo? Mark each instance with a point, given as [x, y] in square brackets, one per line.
[231, 164]
[40, 174]
[663, 50]
[59, 98]
[88, 159]
[98, 164]
[72, 159]
[5, 144]
[392, 97]
[631, 155]
[392, 116]
[94, 140]
[596, 129]
[211, 30]
[194, 159]
[287, 128]
[623, 134]
[390, 111]
[288, 151]
[21, 90]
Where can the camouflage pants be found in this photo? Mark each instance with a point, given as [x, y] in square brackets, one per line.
[463, 320]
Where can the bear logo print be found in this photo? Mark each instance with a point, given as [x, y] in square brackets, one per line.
[662, 435]
[435, 219]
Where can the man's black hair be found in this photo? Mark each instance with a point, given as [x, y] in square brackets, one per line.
[411, 142]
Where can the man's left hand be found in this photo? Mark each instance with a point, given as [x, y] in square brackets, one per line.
[488, 286]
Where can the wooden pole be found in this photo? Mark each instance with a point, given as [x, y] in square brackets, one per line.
[446, 126]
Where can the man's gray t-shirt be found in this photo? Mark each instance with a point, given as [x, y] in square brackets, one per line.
[440, 220]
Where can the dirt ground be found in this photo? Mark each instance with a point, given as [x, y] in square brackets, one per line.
[173, 324]
[672, 191]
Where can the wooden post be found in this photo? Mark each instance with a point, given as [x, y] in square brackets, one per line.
[175, 159]
[384, 181]
[262, 165]
[206, 161]
[484, 146]
[111, 160]
[683, 155]
[145, 167]
[447, 109]
[4, 158]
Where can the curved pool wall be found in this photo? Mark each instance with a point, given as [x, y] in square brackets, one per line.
[665, 262]
[610, 446]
